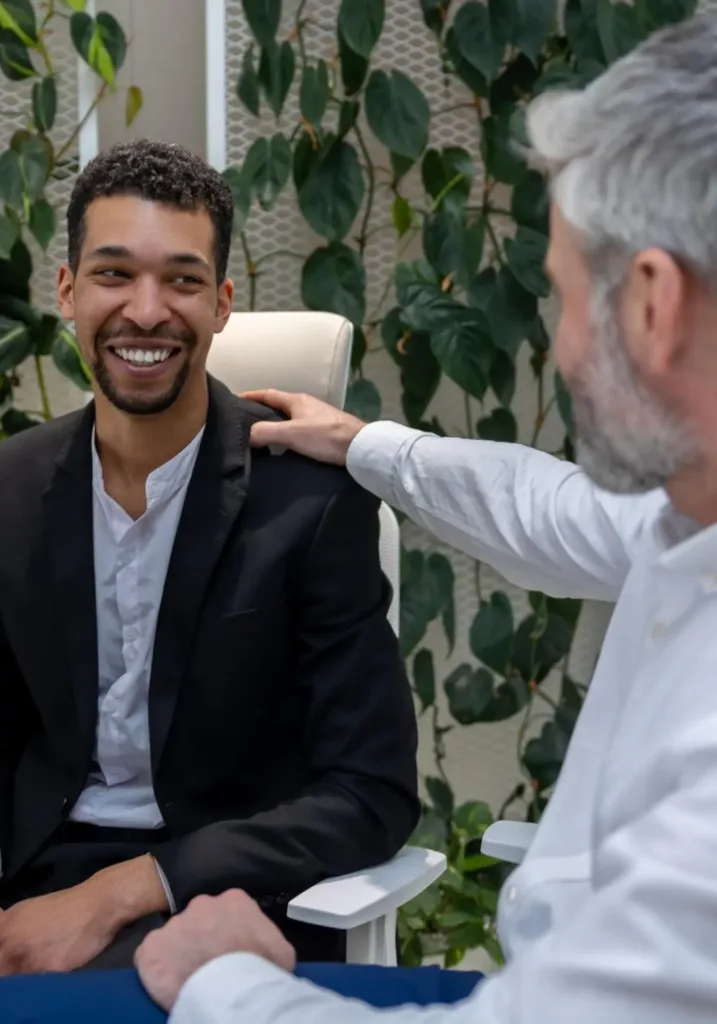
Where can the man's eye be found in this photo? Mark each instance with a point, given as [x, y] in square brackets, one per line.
[112, 272]
[187, 279]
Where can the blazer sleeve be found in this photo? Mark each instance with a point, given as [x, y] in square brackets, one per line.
[15, 712]
[359, 733]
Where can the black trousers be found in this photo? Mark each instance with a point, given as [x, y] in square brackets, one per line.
[79, 851]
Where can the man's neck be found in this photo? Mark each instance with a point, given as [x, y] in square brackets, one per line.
[132, 447]
[694, 493]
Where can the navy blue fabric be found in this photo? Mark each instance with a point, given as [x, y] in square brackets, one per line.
[117, 997]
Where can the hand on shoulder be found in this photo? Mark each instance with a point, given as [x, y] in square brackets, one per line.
[313, 428]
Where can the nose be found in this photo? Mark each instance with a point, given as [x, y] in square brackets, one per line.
[146, 304]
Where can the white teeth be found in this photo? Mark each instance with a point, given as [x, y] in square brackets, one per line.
[143, 356]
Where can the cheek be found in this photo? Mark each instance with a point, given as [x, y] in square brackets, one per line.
[571, 345]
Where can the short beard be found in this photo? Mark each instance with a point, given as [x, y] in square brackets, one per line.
[628, 442]
[135, 405]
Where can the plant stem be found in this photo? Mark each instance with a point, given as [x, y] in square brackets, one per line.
[275, 254]
[250, 269]
[363, 235]
[299, 29]
[42, 385]
[439, 753]
[494, 240]
[540, 424]
[374, 316]
[469, 414]
[78, 128]
[452, 107]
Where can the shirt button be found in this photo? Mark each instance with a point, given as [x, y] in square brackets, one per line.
[512, 895]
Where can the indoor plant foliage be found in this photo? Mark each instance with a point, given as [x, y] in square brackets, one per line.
[465, 309]
[34, 158]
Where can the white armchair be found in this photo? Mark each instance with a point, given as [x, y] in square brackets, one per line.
[311, 353]
[508, 840]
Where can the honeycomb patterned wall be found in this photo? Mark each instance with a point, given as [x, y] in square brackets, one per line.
[14, 105]
[482, 759]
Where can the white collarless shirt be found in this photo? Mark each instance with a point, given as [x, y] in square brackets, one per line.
[612, 917]
[131, 560]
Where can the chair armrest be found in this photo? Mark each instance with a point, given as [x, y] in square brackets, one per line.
[359, 898]
[508, 840]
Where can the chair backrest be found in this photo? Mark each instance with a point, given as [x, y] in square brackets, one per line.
[307, 352]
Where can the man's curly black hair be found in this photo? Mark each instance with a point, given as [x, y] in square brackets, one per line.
[159, 172]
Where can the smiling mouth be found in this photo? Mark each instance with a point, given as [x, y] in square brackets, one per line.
[144, 356]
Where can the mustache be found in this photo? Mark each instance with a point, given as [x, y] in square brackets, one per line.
[162, 332]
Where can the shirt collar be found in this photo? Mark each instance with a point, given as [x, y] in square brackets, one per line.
[164, 481]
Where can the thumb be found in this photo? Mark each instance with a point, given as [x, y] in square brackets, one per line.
[269, 432]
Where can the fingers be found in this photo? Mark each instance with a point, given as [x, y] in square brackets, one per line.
[267, 432]
[281, 400]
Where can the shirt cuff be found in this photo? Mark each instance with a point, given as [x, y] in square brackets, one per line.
[220, 989]
[373, 453]
[167, 890]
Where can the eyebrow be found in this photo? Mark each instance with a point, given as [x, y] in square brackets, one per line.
[121, 252]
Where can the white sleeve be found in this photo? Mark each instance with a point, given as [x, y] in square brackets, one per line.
[240, 988]
[537, 520]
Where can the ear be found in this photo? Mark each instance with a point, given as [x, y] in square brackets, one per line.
[653, 309]
[225, 299]
[66, 292]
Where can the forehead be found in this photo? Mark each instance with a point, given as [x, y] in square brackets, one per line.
[149, 230]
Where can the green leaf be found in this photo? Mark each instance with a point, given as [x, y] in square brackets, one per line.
[467, 73]
[530, 203]
[448, 172]
[565, 406]
[354, 67]
[618, 28]
[452, 244]
[502, 161]
[15, 60]
[401, 215]
[18, 16]
[541, 641]
[526, 258]
[425, 305]
[75, 5]
[42, 222]
[473, 817]
[15, 344]
[359, 348]
[481, 34]
[314, 93]
[502, 377]
[66, 357]
[9, 234]
[511, 312]
[424, 678]
[363, 400]
[348, 116]
[306, 156]
[426, 592]
[464, 352]
[241, 195]
[434, 14]
[44, 103]
[133, 104]
[11, 183]
[114, 42]
[491, 634]
[361, 24]
[582, 31]
[400, 165]
[248, 83]
[515, 82]
[263, 17]
[500, 425]
[420, 372]
[15, 275]
[655, 14]
[441, 795]
[534, 22]
[266, 169]
[276, 73]
[332, 193]
[469, 692]
[334, 279]
[441, 582]
[544, 756]
[35, 164]
[397, 112]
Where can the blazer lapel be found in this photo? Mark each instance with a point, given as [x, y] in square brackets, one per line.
[215, 496]
[70, 558]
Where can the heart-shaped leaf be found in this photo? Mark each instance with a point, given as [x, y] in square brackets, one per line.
[133, 104]
[331, 194]
[334, 279]
[15, 61]
[44, 103]
[420, 370]
[618, 28]
[276, 73]
[248, 83]
[15, 344]
[511, 312]
[42, 222]
[314, 93]
[18, 17]
[534, 22]
[9, 234]
[361, 24]
[266, 169]
[68, 360]
[481, 32]
[500, 425]
[491, 635]
[464, 351]
[526, 257]
[447, 173]
[397, 112]
[453, 245]
[363, 400]
[354, 67]
[11, 181]
[424, 678]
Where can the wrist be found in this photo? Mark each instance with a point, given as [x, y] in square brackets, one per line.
[129, 891]
[349, 429]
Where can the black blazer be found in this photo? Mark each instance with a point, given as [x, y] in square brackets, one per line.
[282, 729]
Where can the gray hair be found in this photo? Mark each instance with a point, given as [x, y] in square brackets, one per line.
[633, 157]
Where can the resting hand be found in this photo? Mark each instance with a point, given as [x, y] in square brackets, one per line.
[210, 927]
[314, 428]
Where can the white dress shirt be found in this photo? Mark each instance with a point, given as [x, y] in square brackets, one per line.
[131, 559]
[612, 917]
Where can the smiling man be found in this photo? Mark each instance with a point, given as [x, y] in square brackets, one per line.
[199, 688]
